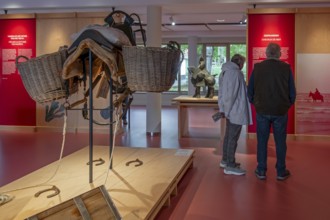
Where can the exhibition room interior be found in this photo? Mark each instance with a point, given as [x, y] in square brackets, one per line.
[63, 153]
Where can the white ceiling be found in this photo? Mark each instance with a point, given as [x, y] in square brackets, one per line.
[193, 17]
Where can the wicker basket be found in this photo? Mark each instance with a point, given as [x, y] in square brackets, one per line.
[42, 77]
[151, 69]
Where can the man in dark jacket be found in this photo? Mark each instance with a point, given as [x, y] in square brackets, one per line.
[272, 91]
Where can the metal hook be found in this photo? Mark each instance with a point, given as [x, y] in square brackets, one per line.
[139, 162]
[54, 188]
[101, 161]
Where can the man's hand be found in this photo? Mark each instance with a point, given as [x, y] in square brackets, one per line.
[217, 116]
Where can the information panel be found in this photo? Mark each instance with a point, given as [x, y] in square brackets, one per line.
[266, 28]
[17, 37]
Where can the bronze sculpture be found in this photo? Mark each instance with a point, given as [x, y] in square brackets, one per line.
[200, 77]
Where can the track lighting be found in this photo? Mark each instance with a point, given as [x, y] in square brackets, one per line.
[243, 20]
[172, 21]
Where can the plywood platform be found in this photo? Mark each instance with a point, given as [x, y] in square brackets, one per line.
[138, 192]
[185, 103]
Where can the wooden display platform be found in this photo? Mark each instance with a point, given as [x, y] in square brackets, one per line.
[185, 102]
[138, 192]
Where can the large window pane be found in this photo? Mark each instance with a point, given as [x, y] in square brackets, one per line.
[240, 49]
[183, 75]
[215, 57]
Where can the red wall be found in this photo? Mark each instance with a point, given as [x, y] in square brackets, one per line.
[17, 37]
[266, 28]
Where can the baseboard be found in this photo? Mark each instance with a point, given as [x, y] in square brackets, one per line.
[312, 137]
[18, 128]
[294, 137]
[55, 129]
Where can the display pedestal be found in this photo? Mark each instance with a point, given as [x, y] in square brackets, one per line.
[140, 182]
[186, 103]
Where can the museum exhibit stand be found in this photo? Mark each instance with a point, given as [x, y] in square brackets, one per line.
[140, 181]
[185, 104]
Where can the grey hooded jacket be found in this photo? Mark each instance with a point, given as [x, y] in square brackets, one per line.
[232, 97]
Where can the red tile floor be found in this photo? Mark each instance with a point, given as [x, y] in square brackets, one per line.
[204, 193]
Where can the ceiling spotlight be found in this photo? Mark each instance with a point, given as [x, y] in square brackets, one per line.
[243, 20]
[220, 20]
[172, 21]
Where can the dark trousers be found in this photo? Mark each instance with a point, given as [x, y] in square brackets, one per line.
[232, 134]
[279, 124]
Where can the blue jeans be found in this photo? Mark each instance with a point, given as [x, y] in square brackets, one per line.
[232, 134]
[279, 124]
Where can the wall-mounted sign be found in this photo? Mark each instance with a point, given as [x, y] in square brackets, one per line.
[266, 28]
[17, 37]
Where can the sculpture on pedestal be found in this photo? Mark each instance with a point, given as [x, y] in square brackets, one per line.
[200, 77]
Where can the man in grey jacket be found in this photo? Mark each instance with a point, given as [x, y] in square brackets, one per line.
[234, 104]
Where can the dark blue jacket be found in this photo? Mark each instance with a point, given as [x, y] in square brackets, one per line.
[271, 87]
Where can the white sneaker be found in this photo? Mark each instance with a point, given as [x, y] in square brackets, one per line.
[223, 164]
[234, 171]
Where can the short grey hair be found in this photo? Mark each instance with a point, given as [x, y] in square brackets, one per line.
[238, 59]
[273, 50]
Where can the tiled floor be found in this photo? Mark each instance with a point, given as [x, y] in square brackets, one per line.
[205, 193]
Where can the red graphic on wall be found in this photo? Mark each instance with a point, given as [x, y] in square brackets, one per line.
[266, 28]
[17, 37]
[316, 96]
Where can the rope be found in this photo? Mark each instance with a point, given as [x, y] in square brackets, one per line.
[4, 198]
[113, 144]
[57, 168]
[62, 149]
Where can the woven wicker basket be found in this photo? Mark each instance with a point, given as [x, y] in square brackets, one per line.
[42, 76]
[151, 69]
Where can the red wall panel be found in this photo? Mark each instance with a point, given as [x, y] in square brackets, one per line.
[266, 28]
[17, 37]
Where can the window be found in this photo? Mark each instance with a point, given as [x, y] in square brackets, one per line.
[214, 54]
[181, 84]
[240, 49]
